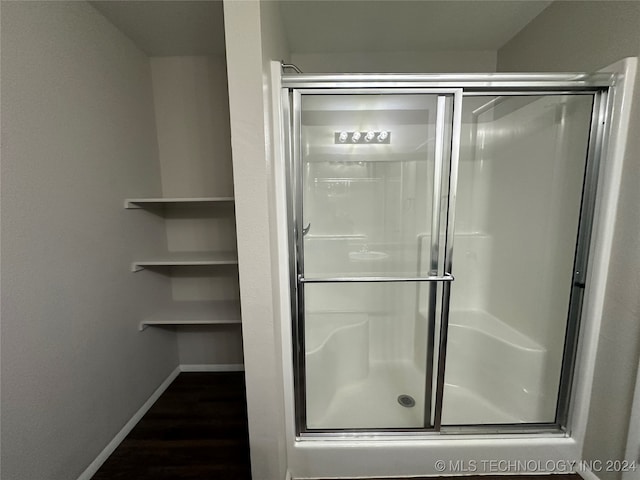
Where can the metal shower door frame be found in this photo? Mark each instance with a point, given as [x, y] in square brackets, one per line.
[292, 109]
[599, 85]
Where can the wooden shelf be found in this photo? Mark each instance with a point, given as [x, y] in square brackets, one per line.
[175, 259]
[161, 203]
[195, 313]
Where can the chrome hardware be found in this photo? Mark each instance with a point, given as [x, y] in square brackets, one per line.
[447, 277]
[291, 66]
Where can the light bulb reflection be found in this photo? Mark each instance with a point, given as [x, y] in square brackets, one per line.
[344, 137]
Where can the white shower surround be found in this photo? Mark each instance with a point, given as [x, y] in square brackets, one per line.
[416, 455]
[500, 380]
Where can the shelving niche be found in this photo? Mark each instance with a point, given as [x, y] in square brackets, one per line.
[185, 312]
[185, 209]
[197, 207]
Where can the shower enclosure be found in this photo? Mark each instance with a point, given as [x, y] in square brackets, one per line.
[394, 330]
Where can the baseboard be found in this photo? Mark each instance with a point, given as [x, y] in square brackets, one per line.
[121, 435]
[223, 367]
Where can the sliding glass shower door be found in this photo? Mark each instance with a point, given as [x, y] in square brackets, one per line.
[371, 200]
[384, 178]
[522, 188]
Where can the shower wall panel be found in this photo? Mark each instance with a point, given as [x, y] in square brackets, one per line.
[537, 156]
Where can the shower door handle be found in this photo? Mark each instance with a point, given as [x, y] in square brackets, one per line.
[447, 277]
[306, 229]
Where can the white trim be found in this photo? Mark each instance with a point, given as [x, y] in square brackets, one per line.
[604, 223]
[284, 299]
[121, 435]
[587, 474]
[632, 453]
[222, 367]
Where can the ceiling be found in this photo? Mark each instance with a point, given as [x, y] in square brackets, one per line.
[167, 28]
[398, 25]
[185, 27]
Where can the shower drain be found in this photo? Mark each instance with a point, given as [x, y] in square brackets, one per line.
[406, 401]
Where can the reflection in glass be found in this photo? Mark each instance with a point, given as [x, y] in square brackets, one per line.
[520, 182]
[367, 202]
[364, 348]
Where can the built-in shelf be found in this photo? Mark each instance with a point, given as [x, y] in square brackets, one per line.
[175, 259]
[195, 313]
[157, 203]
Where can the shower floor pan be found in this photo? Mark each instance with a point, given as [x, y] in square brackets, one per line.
[373, 402]
[494, 375]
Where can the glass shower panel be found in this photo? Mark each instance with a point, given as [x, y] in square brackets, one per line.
[521, 174]
[367, 181]
[365, 351]
[372, 180]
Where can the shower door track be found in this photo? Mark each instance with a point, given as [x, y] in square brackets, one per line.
[471, 83]
[460, 85]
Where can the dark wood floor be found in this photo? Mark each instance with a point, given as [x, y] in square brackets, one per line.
[196, 430]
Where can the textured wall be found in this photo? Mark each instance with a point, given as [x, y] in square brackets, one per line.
[78, 137]
[192, 116]
[252, 37]
[586, 36]
[397, 62]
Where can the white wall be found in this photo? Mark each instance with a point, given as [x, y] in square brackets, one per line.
[586, 36]
[397, 62]
[78, 136]
[192, 115]
[253, 37]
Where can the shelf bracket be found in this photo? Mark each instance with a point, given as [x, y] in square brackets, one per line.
[131, 205]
